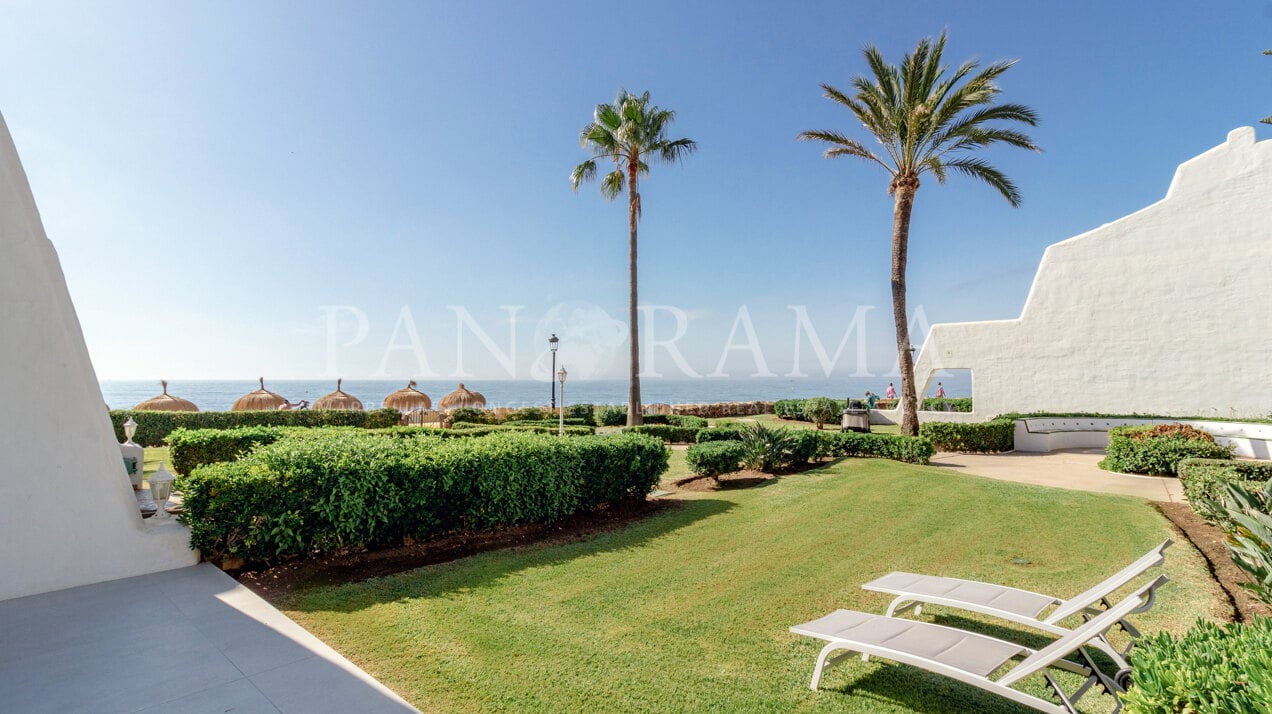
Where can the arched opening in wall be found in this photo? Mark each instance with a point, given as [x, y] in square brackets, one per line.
[947, 390]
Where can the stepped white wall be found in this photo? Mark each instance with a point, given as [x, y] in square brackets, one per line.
[67, 512]
[1166, 311]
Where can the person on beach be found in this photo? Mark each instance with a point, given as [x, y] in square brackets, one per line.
[940, 391]
[892, 392]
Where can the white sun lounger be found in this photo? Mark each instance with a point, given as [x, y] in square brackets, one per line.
[969, 657]
[1020, 606]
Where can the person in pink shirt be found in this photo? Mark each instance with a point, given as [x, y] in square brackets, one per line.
[940, 391]
[891, 393]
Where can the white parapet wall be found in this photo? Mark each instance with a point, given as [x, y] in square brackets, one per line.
[1167, 311]
[67, 512]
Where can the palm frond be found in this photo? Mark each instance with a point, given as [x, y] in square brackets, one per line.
[613, 183]
[583, 173]
[981, 169]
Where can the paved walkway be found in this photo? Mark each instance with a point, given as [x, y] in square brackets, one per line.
[185, 640]
[1073, 469]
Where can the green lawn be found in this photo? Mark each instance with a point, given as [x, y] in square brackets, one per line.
[688, 611]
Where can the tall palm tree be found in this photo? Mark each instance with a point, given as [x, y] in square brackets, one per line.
[926, 122]
[629, 132]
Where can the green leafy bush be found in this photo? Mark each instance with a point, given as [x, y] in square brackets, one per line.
[693, 422]
[910, 449]
[192, 448]
[766, 448]
[154, 427]
[714, 458]
[1208, 670]
[527, 414]
[983, 437]
[796, 409]
[668, 433]
[473, 415]
[732, 432]
[611, 415]
[954, 404]
[321, 492]
[1205, 480]
[821, 410]
[1158, 449]
[1245, 514]
[464, 429]
[583, 411]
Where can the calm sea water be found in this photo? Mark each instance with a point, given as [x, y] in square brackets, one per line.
[220, 395]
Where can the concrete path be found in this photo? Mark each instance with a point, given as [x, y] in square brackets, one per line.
[1072, 469]
[185, 640]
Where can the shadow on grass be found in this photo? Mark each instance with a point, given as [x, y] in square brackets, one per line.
[481, 569]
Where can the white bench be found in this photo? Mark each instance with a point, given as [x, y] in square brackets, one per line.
[1048, 434]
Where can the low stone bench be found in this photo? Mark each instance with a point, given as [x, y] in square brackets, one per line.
[1048, 434]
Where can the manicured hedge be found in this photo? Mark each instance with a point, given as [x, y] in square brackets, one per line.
[720, 433]
[668, 433]
[714, 458]
[579, 414]
[154, 427]
[1158, 449]
[794, 408]
[693, 422]
[324, 492]
[939, 404]
[515, 424]
[1204, 481]
[487, 429]
[192, 448]
[611, 415]
[910, 449]
[982, 437]
[1209, 670]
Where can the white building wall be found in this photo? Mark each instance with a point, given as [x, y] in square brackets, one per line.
[67, 512]
[1167, 311]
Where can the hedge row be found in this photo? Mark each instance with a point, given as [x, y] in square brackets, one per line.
[720, 433]
[947, 404]
[192, 448]
[581, 414]
[154, 427]
[1204, 481]
[572, 421]
[668, 433]
[1158, 449]
[802, 445]
[486, 429]
[685, 420]
[982, 437]
[326, 491]
[794, 408]
[909, 449]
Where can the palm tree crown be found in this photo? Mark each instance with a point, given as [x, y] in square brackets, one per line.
[926, 121]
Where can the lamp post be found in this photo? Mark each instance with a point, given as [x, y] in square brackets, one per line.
[552, 345]
[561, 412]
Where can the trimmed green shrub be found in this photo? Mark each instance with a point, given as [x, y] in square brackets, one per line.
[460, 430]
[797, 408]
[1208, 670]
[611, 415]
[820, 410]
[527, 414]
[910, 449]
[955, 404]
[585, 412]
[473, 415]
[322, 492]
[519, 424]
[983, 437]
[1204, 481]
[694, 422]
[668, 433]
[732, 432]
[192, 448]
[1158, 449]
[714, 458]
[154, 427]
[804, 446]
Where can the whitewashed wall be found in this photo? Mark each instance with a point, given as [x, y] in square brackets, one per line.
[1167, 311]
[67, 513]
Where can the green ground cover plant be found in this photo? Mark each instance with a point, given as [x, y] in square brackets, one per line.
[1158, 449]
[1208, 670]
[688, 610]
[322, 492]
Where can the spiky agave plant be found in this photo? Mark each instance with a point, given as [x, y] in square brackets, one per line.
[766, 449]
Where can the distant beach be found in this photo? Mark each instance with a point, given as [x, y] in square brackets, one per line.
[219, 395]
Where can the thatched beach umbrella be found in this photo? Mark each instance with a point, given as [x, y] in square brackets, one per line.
[339, 400]
[462, 397]
[166, 402]
[408, 399]
[260, 400]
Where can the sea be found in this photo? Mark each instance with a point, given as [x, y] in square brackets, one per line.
[219, 395]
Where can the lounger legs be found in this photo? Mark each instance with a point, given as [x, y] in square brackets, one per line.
[825, 661]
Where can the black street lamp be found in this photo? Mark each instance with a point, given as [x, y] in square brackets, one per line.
[552, 345]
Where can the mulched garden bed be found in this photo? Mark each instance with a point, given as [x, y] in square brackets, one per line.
[1209, 540]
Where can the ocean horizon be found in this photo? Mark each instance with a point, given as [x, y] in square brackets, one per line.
[219, 395]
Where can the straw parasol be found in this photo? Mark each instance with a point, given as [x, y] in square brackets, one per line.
[260, 400]
[408, 399]
[166, 402]
[339, 400]
[462, 398]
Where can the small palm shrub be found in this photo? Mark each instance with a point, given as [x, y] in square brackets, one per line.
[1244, 514]
[821, 410]
[1158, 449]
[1208, 670]
[766, 449]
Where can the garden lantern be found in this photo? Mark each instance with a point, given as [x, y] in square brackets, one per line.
[160, 490]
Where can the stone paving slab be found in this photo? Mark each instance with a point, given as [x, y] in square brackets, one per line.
[1074, 469]
[185, 640]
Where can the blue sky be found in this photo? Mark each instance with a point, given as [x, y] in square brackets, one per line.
[214, 174]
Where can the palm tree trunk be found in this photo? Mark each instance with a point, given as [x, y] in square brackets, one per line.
[904, 190]
[635, 410]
